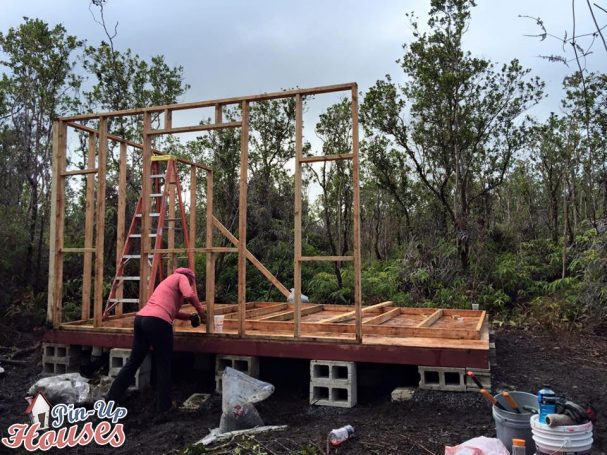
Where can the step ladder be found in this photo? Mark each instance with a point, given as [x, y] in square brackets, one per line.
[166, 192]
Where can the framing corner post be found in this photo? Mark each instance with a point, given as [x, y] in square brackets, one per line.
[100, 218]
[356, 215]
[209, 293]
[298, 214]
[55, 275]
[146, 189]
[242, 219]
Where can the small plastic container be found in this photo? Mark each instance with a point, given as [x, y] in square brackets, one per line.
[518, 447]
[338, 436]
[546, 399]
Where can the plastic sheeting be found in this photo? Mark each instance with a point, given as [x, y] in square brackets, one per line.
[69, 388]
[240, 391]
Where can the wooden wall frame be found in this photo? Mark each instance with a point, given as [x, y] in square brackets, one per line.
[95, 172]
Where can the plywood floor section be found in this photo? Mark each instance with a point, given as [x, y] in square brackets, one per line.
[383, 325]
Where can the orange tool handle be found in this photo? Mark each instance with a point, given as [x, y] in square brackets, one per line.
[511, 402]
[490, 399]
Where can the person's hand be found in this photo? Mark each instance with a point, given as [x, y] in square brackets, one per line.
[203, 317]
[195, 319]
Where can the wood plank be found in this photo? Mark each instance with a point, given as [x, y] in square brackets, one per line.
[383, 317]
[145, 228]
[79, 172]
[89, 213]
[323, 158]
[242, 217]
[223, 101]
[356, 216]
[121, 220]
[481, 321]
[297, 214]
[210, 258]
[290, 314]
[194, 128]
[352, 314]
[431, 319]
[326, 258]
[134, 144]
[55, 279]
[265, 272]
[172, 262]
[100, 222]
[427, 332]
[261, 311]
[78, 250]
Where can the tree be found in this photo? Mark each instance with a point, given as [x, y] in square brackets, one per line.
[334, 128]
[37, 85]
[463, 126]
[585, 104]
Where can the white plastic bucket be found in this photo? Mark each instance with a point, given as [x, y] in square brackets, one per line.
[563, 440]
[510, 425]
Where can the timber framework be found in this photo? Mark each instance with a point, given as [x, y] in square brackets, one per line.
[376, 333]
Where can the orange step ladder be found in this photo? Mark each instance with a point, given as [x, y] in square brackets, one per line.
[163, 198]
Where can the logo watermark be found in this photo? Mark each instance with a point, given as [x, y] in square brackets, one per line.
[65, 431]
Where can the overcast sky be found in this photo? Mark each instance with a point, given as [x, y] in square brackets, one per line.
[232, 48]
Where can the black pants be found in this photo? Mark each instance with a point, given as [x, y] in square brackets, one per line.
[154, 332]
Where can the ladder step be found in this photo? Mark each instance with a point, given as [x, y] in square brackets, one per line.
[135, 256]
[124, 300]
[156, 195]
[139, 215]
[157, 176]
[128, 278]
[136, 236]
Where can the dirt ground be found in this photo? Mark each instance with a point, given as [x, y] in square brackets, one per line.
[574, 365]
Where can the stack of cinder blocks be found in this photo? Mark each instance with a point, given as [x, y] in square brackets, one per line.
[247, 364]
[119, 357]
[60, 358]
[333, 383]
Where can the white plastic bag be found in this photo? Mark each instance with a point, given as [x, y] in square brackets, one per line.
[478, 446]
[291, 297]
[240, 391]
[69, 388]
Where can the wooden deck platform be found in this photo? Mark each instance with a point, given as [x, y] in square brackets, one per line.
[397, 335]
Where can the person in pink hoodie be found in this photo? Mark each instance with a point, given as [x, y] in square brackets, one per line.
[154, 328]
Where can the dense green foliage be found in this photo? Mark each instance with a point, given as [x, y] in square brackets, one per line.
[464, 197]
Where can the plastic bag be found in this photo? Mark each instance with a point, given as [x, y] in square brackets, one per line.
[69, 388]
[240, 391]
[478, 446]
[291, 297]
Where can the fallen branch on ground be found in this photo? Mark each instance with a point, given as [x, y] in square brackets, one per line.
[25, 351]
[215, 436]
[13, 362]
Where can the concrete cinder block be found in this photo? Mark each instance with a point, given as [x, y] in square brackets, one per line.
[403, 393]
[333, 371]
[333, 383]
[249, 365]
[60, 358]
[442, 378]
[119, 357]
[343, 396]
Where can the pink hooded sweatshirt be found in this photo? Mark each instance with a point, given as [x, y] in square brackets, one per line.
[168, 297]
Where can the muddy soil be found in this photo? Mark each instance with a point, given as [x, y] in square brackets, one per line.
[574, 365]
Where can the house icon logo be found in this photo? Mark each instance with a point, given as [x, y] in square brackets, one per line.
[38, 410]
